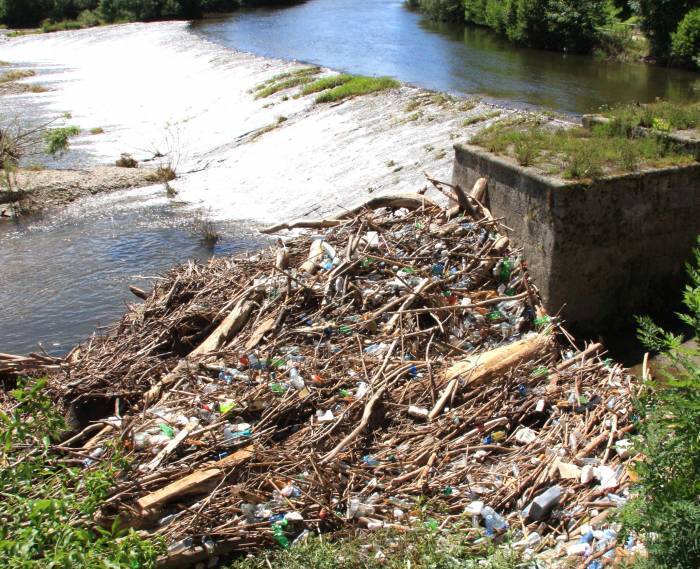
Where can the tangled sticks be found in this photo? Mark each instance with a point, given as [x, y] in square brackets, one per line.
[397, 357]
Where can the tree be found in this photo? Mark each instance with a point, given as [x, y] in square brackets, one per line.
[659, 19]
[685, 41]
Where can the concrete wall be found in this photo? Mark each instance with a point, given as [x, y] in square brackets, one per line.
[602, 252]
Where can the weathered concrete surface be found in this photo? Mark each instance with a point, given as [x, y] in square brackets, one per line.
[601, 252]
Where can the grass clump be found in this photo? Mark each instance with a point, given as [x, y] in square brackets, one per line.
[48, 508]
[358, 85]
[660, 115]
[387, 550]
[163, 174]
[127, 161]
[326, 83]
[16, 75]
[284, 81]
[481, 118]
[578, 153]
[97, 130]
[666, 509]
[57, 139]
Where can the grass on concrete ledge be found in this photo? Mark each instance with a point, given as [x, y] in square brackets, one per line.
[358, 85]
[326, 83]
[660, 115]
[577, 153]
[284, 81]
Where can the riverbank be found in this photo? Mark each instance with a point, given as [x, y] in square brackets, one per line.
[40, 190]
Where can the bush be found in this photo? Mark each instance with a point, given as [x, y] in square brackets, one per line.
[659, 19]
[568, 25]
[47, 508]
[443, 10]
[667, 508]
[685, 41]
[57, 139]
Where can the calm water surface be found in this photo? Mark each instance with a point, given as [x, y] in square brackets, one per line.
[382, 37]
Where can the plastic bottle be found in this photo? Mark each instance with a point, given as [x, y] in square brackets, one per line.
[370, 460]
[543, 503]
[296, 380]
[492, 520]
[180, 546]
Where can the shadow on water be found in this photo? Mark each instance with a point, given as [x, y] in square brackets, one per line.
[382, 37]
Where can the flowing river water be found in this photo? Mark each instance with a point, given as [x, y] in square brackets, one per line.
[184, 90]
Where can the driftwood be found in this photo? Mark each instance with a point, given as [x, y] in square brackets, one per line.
[408, 201]
[409, 359]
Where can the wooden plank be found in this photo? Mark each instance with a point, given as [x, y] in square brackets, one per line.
[480, 368]
[194, 483]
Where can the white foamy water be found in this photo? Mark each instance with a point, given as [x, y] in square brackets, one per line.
[158, 87]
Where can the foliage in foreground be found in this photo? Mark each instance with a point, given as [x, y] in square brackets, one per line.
[435, 549]
[667, 508]
[47, 508]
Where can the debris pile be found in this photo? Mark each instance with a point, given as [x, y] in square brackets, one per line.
[393, 368]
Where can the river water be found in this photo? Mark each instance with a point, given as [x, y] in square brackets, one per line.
[382, 37]
[185, 90]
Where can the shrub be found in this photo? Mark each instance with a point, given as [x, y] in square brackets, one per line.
[685, 41]
[659, 19]
[444, 10]
[47, 508]
[568, 25]
[667, 508]
[57, 139]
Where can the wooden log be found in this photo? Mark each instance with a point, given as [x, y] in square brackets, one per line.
[230, 326]
[396, 201]
[195, 483]
[478, 369]
[443, 399]
[315, 255]
[479, 190]
[138, 292]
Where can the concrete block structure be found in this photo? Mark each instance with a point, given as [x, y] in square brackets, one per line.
[602, 251]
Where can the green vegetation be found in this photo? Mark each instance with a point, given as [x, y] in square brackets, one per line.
[685, 41]
[57, 139]
[659, 19]
[97, 130]
[445, 10]
[326, 83]
[578, 153]
[666, 510]
[660, 115]
[358, 85]
[55, 15]
[669, 30]
[480, 118]
[422, 548]
[285, 81]
[48, 508]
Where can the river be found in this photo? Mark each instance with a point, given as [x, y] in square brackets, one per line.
[382, 37]
[185, 90]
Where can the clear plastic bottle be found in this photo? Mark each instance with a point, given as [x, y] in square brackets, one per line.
[492, 520]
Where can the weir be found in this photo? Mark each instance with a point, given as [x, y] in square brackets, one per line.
[602, 251]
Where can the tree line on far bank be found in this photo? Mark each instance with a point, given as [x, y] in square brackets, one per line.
[30, 13]
[671, 28]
